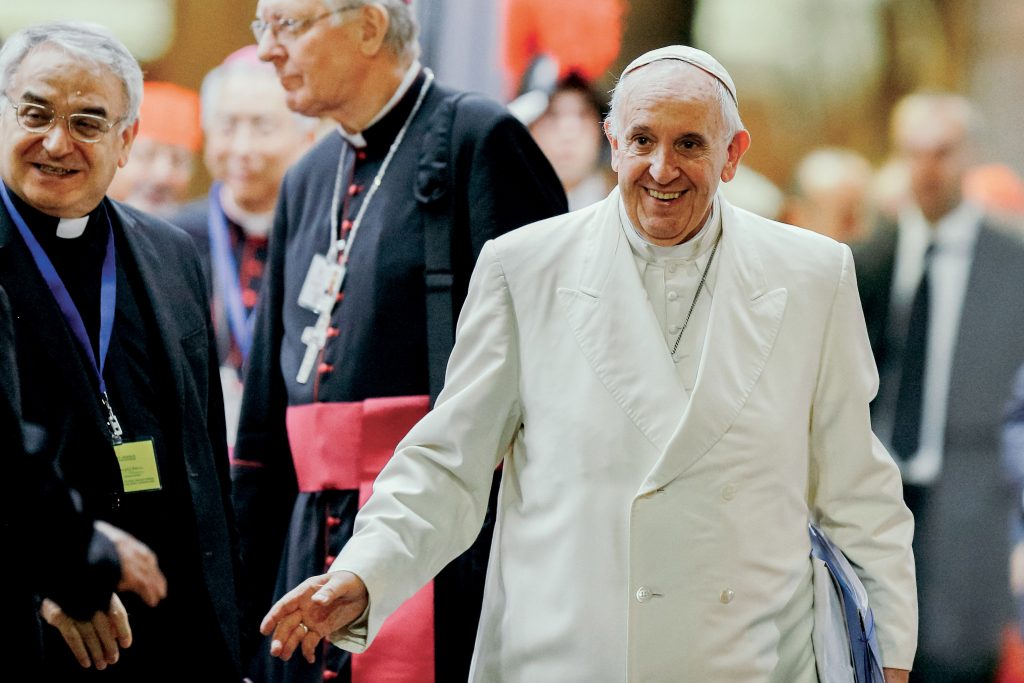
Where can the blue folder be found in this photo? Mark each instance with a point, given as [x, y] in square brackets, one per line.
[845, 645]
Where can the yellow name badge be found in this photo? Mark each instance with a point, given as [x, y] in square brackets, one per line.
[138, 466]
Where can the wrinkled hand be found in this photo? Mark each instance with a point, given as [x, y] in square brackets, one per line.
[140, 573]
[94, 642]
[896, 675]
[313, 610]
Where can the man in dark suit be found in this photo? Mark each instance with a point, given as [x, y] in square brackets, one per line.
[114, 348]
[942, 299]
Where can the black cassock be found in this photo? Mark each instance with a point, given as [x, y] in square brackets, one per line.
[163, 385]
[465, 171]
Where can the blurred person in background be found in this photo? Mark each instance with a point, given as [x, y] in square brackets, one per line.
[374, 239]
[943, 304]
[114, 348]
[753, 191]
[889, 192]
[566, 124]
[157, 176]
[830, 194]
[252, 137]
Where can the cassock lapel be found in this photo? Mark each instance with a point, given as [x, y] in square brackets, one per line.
[618, 333]
[154, 272]
[742, 327]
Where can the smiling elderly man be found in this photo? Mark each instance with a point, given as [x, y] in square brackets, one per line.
[676, 386]
[251, 140]
[114, 350]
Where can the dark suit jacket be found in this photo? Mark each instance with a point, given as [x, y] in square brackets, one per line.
[61, 400]
[193, 218]
[961, 538]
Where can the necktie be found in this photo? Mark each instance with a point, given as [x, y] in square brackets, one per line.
[907, 426]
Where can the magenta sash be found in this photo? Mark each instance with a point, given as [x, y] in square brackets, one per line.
[344, 446]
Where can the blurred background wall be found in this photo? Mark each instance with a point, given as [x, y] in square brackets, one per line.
[809, 72]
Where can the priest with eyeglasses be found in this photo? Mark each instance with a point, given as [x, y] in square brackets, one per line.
[115, 358]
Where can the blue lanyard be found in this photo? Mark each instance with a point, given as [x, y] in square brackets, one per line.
[108, 301]
[225, 269]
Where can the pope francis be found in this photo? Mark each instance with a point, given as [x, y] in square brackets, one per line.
[675, 387]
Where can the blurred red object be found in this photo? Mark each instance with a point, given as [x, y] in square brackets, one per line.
[580, 35]
[1011, 669]
[996, 187]
[169, 114]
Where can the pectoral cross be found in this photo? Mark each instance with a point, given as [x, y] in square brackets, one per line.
[314, 338]
[319, 294]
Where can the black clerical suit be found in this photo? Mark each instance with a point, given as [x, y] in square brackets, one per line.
[161, 374]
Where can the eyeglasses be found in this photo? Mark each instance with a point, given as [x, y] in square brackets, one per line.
[39, 118]
[285, 29]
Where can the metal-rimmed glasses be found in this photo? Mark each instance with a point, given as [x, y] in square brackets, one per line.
[285, 29]
[40, 118]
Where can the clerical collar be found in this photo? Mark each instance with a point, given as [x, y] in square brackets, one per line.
[357, 140]
[689, 250]
[256, 225]
[46, 225]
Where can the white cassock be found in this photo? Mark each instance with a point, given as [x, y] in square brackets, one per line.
[642, 534]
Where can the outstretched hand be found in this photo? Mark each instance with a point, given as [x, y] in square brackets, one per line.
[313, 610]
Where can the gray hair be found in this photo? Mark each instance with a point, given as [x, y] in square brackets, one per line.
[726, 104]
[403, 29]
[213, 82]
[87, 41]
[927, 104]
[826, 168]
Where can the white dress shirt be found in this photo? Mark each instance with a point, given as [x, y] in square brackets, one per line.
[953, 237]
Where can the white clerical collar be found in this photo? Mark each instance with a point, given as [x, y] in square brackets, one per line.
[686, 251]
[71, 228]
[356, 139]
[252, 224]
